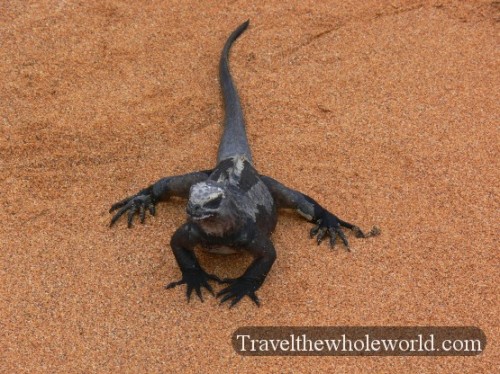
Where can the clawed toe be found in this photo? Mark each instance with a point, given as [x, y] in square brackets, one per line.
[329, 224]
[134, 204]
[195, 280]
[237, 289]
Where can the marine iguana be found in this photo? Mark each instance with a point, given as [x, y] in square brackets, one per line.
[231, 207]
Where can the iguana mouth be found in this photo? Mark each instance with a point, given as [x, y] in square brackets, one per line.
[201, 217]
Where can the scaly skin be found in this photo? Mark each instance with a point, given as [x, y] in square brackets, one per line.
[231, 206]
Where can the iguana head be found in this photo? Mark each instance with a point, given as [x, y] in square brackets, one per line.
[210, 206]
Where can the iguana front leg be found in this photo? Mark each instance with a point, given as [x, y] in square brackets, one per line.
[193, 276]
[326, 222]
[161, 190]
[264, 254]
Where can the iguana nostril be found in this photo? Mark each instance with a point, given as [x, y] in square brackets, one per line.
[193, 208]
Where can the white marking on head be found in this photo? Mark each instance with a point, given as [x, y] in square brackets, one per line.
[201, 193]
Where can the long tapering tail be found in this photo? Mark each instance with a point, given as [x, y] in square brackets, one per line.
[234, 138]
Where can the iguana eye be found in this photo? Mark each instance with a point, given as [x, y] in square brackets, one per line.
[213, 204]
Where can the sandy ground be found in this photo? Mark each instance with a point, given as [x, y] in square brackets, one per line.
[385, 112]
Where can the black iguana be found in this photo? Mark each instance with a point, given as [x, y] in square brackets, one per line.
[231, 207]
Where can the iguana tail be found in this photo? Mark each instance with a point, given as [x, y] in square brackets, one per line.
[234, 138]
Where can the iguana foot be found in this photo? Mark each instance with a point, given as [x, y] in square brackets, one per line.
[133, 204]
[330, 224]
[195, 280]
[238, 288]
